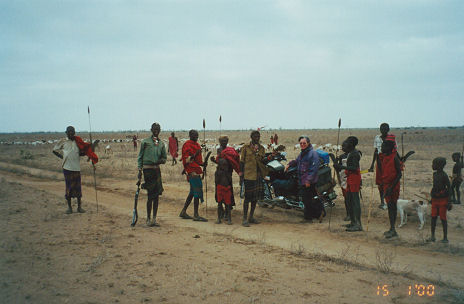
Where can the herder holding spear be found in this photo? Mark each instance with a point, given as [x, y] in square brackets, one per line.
[193, 167]
[70, 150]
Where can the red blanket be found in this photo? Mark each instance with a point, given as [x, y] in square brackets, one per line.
[189, 149]
[232, 157]
[86, 149]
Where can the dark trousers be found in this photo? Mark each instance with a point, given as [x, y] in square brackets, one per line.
[313, 207]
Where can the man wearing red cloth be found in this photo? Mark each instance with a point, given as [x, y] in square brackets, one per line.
[353, 182]
[440, 198]
[70, 150]
[389, 169]
[173, 148]
[193, 162]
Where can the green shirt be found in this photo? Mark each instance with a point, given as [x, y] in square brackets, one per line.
[151, 152]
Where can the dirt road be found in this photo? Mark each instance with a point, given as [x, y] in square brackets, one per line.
[51, 257]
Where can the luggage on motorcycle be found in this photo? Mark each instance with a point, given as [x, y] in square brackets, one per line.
[324, 156]
[275, 165]
[324, 182]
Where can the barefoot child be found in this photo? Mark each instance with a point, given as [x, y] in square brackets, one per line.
[440, 197]
[223, 182]
[353, 182]
[456, 179]
[378, 140]
[389, 168]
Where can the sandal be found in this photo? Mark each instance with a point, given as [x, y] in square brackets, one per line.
[199, 219]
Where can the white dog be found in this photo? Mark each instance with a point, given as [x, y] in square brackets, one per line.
[411, 206]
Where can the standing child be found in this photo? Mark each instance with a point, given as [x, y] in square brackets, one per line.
[378, 140]
[456, 179]
[440, 197]
[353, 183]
[223, 182]
[389, 168]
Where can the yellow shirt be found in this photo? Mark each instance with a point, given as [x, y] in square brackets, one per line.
[251, 156]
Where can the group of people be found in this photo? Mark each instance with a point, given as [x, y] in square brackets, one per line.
[251, 170]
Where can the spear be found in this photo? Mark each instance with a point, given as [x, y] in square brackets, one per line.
[206, 179]
[220, 125]
[336, 155]
[93, 165]
[402, 155]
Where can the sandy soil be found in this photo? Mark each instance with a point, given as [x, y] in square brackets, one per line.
[50, 257]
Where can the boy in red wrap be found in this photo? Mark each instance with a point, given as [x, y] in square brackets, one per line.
[193, 162]
[440, 198]
[233, 164]
[223, 183]
[389, 169]
[353, 183]
[378, 140]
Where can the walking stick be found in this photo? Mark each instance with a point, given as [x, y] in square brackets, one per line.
[204, 169]
[93, 165]
[369, 208]
[336, 155]
[402, 155]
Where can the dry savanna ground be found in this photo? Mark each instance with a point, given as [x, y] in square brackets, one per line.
[47, 256]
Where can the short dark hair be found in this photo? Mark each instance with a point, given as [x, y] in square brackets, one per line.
[440, 162]
[353, 140]
[192, 131]
[254, 132]
[305, 137]
[154, 125]
[384, 124]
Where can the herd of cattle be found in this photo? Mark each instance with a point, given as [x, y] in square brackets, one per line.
[209, 144]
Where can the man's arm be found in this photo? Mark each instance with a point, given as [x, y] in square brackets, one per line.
[374, 158]
[398, 176]
[58, 154]
[164, 155]
[140, 157]
[57, 149]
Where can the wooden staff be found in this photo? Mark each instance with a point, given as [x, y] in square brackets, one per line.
[93, 165]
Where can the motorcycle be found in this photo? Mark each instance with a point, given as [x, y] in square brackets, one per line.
[281, 187]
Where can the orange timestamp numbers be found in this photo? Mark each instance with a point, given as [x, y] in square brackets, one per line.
[420, 290]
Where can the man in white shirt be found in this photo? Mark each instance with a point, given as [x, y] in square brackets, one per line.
[69, 152]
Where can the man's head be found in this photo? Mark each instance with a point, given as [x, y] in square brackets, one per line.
[384, 128]
[349, 144]
[223, 140]
[456, 156]
[172, 134]
[155, 129]
[387, 147]
[304, 141]
[438, 163]
[193, 134]
[70, 132]
[255, 136]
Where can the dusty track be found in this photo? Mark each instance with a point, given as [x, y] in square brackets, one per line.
[280, 234]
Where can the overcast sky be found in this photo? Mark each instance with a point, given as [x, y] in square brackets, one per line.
[280, 64]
